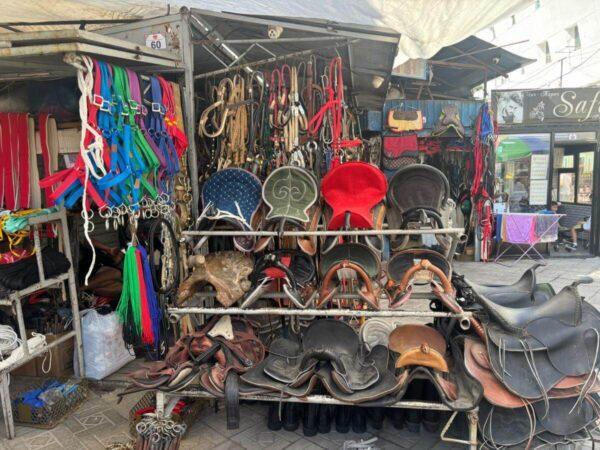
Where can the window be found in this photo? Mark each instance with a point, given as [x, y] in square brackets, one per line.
[522, 163]
[545, 51]
[585, 177]
[574, 41]
[567, 161]
[573, 174]
[566, 187]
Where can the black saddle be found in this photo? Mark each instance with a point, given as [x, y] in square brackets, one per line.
[533, 348]
[330, 352]
[561, 422]
[416, 196]
[523, 293]
[293, 268]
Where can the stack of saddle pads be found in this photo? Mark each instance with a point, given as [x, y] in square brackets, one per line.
[537, 359]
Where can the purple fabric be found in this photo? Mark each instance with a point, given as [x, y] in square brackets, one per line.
[520, 228]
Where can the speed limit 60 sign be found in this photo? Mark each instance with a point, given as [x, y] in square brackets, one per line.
[156, 41]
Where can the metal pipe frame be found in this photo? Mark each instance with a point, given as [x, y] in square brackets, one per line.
[327, 400]
[451, 231]
[271, 60]
[177, 312]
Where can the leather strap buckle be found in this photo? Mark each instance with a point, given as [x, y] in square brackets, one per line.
[157, 107]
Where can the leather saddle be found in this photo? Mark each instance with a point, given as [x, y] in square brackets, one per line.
[226, 271]
[478, 366]
[291, 194]
[404, 260]
[294, 269]
[350, 261]
[449, 120]
[524, 292]
[419, 345]
[527, 426]
[329, 352]
[416, 196]
[533, 348]
[231, 196]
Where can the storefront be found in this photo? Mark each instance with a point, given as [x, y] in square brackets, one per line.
[547, 152]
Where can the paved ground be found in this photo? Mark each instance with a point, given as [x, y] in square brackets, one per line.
[100, 421]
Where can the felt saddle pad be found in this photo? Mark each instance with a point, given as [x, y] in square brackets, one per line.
[354, 188]
[234, 191]
[289, 192]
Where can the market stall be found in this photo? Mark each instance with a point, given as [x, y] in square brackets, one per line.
[239, 232]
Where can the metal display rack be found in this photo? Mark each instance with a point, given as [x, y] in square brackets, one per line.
[14, 301]
[175, 313]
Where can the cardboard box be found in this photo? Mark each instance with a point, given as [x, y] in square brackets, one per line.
[60, 358]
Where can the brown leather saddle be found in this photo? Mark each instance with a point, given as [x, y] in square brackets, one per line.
[214, 357]
[419, 345]
[356, 267]
[226, 271]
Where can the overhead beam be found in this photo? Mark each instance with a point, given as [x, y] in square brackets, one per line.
[270, 60]
[478, 61]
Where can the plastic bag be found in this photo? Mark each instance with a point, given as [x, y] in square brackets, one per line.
[104, 350]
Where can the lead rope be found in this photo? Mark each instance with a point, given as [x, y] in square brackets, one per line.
[92, 154]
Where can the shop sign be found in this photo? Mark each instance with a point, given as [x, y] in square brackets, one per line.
[580, 105]
[157, 41]
[574, 137]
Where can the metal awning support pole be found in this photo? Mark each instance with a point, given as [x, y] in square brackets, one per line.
[187, 99]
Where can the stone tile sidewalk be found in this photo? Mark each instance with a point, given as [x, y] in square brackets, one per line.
[100, 421]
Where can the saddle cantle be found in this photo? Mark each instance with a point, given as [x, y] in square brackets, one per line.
[294, 269]
[291, 194]
[352, 190]
[233, 196]
[351, 260]
[419, 345]
[226, 271]
[449, 120]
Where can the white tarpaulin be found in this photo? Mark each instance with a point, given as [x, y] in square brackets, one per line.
[425, 25]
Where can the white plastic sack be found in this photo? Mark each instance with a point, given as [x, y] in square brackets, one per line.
[104, 350]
